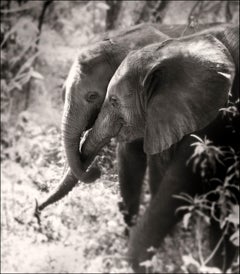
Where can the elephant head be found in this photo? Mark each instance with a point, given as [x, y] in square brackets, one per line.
[163, 92]
[86, 88]
[84, 93]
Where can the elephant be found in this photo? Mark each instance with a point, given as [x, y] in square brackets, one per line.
[162, 94]
[85, 91]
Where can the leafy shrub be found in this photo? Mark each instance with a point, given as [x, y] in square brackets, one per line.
[221, 203]
[18, 54]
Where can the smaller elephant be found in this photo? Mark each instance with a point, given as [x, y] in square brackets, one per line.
[168, 91]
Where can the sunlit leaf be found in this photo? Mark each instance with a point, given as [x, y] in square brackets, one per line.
[188, 260]
[234, 215]
[36, 75]
[208, 269]
[147, 263]
[186, 219]
[102, 5]
[235, 238]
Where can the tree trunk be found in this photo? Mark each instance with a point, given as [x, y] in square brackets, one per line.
[112, 13]
[123, 14]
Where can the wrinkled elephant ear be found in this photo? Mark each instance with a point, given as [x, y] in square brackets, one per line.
[184, 87]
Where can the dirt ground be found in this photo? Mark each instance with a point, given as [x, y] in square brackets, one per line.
[84, 232]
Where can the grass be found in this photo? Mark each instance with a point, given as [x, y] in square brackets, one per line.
[84, 232]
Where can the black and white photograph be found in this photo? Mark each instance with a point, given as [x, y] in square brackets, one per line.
[120, 136]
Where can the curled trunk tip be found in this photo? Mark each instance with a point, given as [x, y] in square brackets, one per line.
[66, 185]
[68, 182]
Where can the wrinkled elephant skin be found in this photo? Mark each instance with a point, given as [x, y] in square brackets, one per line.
[163, 93]
[84, 93]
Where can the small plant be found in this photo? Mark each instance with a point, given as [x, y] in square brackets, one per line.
[153, 264]
[221, 203]
[205, 156]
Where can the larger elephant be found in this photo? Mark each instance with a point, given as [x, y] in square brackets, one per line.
[163, 93]
[85, 92]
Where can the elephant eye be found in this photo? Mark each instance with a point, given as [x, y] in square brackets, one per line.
[92, 96]
[114, 101]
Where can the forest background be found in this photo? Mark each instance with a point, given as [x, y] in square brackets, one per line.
[84, 232]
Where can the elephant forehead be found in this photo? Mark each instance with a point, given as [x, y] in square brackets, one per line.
[126, 70]
[79, 80]
[113, 86]
[74, 75]
[117, 78]
[122, 70]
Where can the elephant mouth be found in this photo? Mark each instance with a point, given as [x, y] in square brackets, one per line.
[121, 138]
[88, 159]
[128, 134]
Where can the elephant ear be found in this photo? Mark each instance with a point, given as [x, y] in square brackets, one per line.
[184, 87]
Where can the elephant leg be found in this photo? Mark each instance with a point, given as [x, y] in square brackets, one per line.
[226, 252]
[161, 215]
[158, 165]
[132, 165]
[156, 171]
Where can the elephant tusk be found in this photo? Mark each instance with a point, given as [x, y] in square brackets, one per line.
[83, 139]
[226, 75]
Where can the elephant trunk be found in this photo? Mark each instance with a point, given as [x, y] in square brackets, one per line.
[92, 145]
[66, 185]
[77, 169]
[70, 178]
[96, 138]
[71, 137]
[103, 130]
